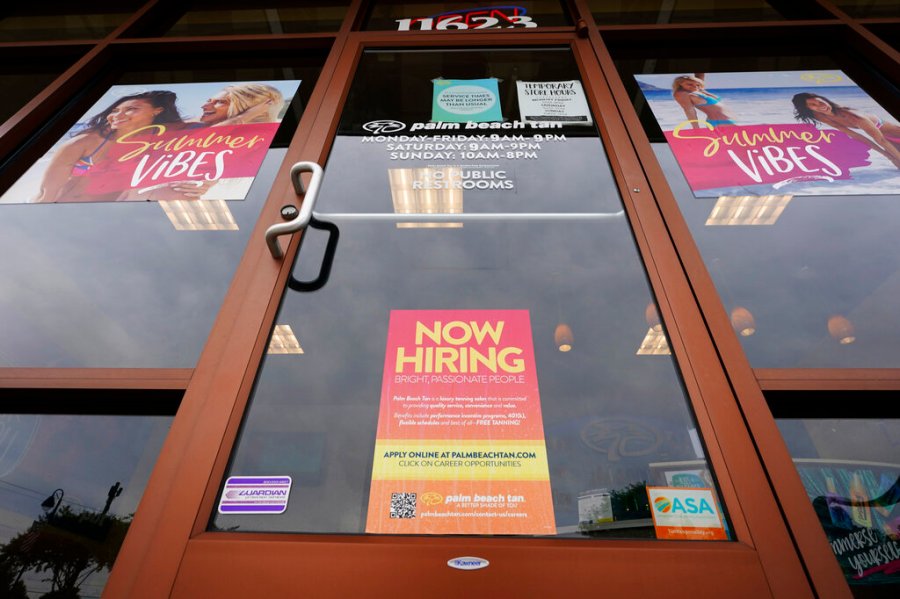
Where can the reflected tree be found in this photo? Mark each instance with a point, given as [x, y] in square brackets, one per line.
[10, 585]
[66, 546]
[631, 501]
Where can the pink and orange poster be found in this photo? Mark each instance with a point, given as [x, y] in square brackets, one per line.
[460, 445]
[179, 141]
[777, 132]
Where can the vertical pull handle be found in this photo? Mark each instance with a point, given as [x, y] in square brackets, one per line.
[300, 221]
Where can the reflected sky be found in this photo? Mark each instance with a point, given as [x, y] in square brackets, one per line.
[824, 256]
[314, 415]
[114, 284]
[77, 458]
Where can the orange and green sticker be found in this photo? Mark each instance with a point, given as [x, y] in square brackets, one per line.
[686, 514]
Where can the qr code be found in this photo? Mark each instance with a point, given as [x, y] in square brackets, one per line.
[403, 505]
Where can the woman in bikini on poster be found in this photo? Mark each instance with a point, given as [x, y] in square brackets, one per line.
[69, 172]
[882, 136]
[691, 94]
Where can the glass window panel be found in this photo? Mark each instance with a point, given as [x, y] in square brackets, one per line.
[870, 8]
[614, 415]
[449, 16]
[130, 284]
[889, 33]
[699, 11]
[817, 292]
[22, 22]
[851, 471]
[273, 17]
[69, 486]
[23, 77]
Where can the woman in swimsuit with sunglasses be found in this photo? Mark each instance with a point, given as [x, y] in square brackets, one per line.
[691, 94]
[882, 136]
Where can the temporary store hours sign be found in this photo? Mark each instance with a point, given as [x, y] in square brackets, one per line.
[460, 446]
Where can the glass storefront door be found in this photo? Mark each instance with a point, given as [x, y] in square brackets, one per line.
[479, 375]
[499, 351]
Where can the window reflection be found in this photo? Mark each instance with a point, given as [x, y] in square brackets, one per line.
[69, 486]
[747, 210]
[427, 190]
[131, 284]
[314, 419]
[870, 8]
[22, 22]
[851, 472]
[199, 215]
[688, 11]
[806, 281]
[203, 17]
[23, 77]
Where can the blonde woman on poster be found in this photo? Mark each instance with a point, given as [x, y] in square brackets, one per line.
[691, 94]
[242, 104]
[69, 172]
[881, 135]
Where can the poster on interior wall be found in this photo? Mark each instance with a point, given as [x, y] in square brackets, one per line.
[858, 505]
[460, 444]
[553, 101]
[178, 141]
[466, 100]
[776, 133]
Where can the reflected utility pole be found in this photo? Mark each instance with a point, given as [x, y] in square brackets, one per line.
[114, 491]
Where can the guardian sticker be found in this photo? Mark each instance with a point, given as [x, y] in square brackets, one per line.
[255, 495]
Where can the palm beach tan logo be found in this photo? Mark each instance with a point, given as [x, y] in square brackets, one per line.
[431, 498]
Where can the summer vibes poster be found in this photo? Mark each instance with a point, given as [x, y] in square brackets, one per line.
[460, 445]
[161, 142]
[776, 133]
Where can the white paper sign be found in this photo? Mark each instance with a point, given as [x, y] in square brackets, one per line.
[553, 101]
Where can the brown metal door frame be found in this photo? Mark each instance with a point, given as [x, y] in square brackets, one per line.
[167, 547]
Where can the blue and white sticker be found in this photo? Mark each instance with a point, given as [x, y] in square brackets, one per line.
[468, 563]
[255, 495]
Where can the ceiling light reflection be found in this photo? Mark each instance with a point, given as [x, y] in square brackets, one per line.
[563, 337]
[427, 190]
[199, 215]
[743, 322]
[841, 329]
[654, 344]
[284, 341]
[747, 210]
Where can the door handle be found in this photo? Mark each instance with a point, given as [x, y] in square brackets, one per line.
[327, 259]
[300, 221]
